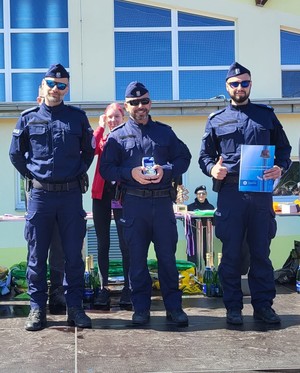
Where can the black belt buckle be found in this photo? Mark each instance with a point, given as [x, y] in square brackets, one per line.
[55, 187]
[156, 193]
[52, 187]
[148, 193]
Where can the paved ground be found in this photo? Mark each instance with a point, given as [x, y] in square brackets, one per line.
[113, 345]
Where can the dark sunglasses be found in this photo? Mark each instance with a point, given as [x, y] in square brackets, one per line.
[143, 101]
[243, 84]
[51, 84]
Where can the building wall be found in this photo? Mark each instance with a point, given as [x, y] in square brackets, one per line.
[257, 41]
[92, 80]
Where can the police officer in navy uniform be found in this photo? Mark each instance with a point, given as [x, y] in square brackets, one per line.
[242, 215]
[53, 147]
[57, 300]
[147, 200]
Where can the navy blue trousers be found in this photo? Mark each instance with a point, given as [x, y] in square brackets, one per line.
[45, 209]
[56, 257]
[248, 216]
[56, 260]
[149, 220]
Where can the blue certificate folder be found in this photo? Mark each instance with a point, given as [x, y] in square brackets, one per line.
[255, 159]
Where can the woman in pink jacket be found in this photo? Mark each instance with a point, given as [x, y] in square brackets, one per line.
[103, 194]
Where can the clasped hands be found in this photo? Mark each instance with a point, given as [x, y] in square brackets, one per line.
[138, 175]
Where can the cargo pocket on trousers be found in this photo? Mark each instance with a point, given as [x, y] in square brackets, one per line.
[272, 225]
[29, 220]
[127, 230]
[222, 226]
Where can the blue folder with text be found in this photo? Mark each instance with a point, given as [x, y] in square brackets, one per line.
[255, 159]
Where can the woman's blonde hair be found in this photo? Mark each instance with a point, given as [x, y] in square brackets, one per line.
[114, 106]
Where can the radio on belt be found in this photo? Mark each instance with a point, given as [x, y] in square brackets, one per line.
[148, 163]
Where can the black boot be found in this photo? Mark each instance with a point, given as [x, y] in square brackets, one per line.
[36, 319]
[57, 301]
[178, 317]
[266, 314]
[102, 301]
[77, 317]
[234, 316]
[125, 299]
[141, 318]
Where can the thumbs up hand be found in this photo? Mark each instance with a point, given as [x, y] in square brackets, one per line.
[219, 171]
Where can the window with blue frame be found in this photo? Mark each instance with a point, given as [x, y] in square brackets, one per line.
[38, 36]
[290, 63]
[177, 55]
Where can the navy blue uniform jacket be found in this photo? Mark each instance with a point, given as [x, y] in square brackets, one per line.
[130, 142]
[229, 128]
[52, 144]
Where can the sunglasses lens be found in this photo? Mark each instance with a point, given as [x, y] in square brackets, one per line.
[244, 84]
[61, 86]
[143, 101]
[52, 84]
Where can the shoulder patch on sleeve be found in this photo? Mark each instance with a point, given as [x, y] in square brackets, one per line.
[30, 110]
[216, 113]
[17, 132]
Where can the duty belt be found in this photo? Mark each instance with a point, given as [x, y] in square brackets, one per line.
[231, 179]
[148, 193]
[51, 187]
